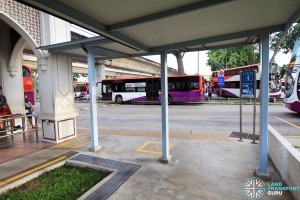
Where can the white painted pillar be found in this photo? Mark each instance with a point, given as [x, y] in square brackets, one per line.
[58, 114]
[93, 103]
[100, 75]
[164, 108]
[264, 105]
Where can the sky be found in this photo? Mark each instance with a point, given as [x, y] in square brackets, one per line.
[190, 61]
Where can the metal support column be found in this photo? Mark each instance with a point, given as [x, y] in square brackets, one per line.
[264, 107]
[93, 102]
[164, 106]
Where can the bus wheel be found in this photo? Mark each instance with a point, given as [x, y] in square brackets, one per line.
[119, 99]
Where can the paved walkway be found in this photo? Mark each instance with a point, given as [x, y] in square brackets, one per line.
[201, 167]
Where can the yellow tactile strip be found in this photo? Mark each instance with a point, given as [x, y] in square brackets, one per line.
[36, 168]
[212, 137]
[102, 105]
[75, 143]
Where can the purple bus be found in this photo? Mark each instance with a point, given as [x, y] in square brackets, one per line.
[292, 82]
[182, 88]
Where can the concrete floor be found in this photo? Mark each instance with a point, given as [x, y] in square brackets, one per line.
[199, 169]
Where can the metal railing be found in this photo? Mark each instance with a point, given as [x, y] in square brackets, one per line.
[8, 130]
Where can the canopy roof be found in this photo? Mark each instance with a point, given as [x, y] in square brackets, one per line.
[143, 27]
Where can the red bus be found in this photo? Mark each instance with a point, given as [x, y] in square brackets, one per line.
[232, 82]
[184, 88]
[28, 84]
[80, 89]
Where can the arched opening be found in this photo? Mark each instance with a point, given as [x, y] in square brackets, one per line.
[15, 40]
[22, 32]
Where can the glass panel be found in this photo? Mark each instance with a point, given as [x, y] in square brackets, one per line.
[194, 85]
[171, 86]
[141, 89]
[289, 83]
[130, 89]
[298, 85]
[104, 89]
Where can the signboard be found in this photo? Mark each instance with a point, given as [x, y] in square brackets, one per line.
[221, 80]
[247, 84]
[221, 73]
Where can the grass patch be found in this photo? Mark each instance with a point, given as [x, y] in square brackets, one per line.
[297, 147]
[61, 183]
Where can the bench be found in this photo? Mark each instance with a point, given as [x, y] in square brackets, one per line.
[9, 131]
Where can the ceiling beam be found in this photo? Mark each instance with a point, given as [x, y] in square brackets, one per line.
[67, 13]
[219, 38]
[251, 39]
[109, 53]
[76, 56]
[55, 48]
[293, 19]
[217, 47]
[167, 13]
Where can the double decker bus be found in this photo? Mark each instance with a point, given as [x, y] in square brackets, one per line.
[80, 89]
[292, 82]
[28, 84]
[183, 88]
[232, 82]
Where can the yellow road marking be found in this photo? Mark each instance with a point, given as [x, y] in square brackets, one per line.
[294, 125]
[154, 149]
[31, 171]
[75, 143]
[297, 137]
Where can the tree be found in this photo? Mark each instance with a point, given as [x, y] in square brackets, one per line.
[233, 57]
[179, 57]
[77, 76]
[283, 40]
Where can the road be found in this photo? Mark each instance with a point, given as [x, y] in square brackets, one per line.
[194, 118]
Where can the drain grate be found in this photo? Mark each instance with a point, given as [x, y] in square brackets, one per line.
[244, 135]
[124, 171]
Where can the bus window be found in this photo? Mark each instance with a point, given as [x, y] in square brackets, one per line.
[171, 86]
[289, 85]
[104, 88]
[184, 86]
[130, 89]
[194, 85]
[26, 72]
[298, 85]
[141, 89]
[28, 83]
[177, 86]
